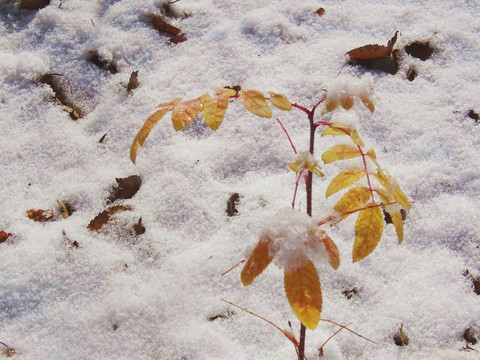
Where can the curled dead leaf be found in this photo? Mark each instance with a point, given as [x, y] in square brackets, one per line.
[105, 216]
[126, 188]
[4, 236]
[133, 81]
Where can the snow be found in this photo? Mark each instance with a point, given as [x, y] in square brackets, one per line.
[119, 295]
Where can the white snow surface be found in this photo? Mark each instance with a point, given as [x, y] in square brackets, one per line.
[118, 295]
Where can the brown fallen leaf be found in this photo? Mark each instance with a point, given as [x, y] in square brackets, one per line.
[34, 4]
[105, 216]
[126, 188]
[4, 236]
[102, 138]
[320, 11]
[133, 81]
[40, 215]
[165, 28]
[376, 57]
[139, 228]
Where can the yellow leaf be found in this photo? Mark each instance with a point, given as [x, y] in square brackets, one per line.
[356, 138]
[314, 168]
[397, 221]
[352, 200]
[373, 156]
[368, 103]
[142, 135]
[343, 180]
[330, 105]
[170, 104]
[391, 186]
[347, 102]
[368, 231]
[340, 152]
[184, 113]
[254, 101]
[214, 110]
[280, 101]
[304, 294]
[257, 262]
[229, 92]
[396, 217]
[337, 129]
[294, 166]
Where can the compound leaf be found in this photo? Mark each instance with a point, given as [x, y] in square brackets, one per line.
[257, 261]
[343, 180]
[302, 287]
[280, 101]
[214, 110]
[254, 101]
[391, 186]
[184, 113]
[368, 231]
[340, 152]
[142, 135]
[352, 200]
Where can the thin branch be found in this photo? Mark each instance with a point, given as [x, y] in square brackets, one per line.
[233, 267]
[346, 328]
[288, 136]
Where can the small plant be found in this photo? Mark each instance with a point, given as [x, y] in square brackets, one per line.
[292, 239]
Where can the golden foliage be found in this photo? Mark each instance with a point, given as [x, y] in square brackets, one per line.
[302, 287]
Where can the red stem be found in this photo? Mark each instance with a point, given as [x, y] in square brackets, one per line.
[288, 136]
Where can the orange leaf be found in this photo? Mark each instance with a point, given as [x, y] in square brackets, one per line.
[105, 216]
[368, 231]
[374, 51]
[302, 287]
[254, 101]
[142, 135]
[332, 251]
[184, 113]
[257, 262]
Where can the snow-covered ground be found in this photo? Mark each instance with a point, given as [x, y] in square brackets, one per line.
[67, 292]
